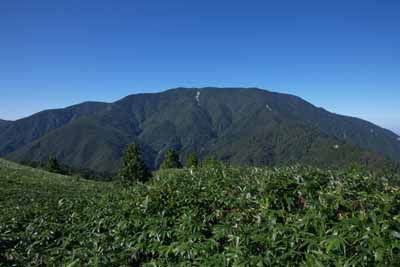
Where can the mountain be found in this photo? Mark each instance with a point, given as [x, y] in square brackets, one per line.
[3, 122]
[22, 132]
[238, 125]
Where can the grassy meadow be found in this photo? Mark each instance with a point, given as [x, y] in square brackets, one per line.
[211, 216]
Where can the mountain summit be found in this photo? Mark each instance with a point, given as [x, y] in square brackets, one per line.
[237, 125]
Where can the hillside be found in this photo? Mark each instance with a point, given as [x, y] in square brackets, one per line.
[3, 122]
[26, 188]
[239, 125]
[220, 216]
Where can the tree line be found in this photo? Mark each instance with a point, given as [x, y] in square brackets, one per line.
[134, 168]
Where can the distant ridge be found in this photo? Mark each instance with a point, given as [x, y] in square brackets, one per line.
[237, 125]
[3, 122]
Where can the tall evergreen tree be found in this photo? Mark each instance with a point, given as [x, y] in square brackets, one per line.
[212, 162]
[53, 165]
[134, 168]
[171, 160]
[193, 161]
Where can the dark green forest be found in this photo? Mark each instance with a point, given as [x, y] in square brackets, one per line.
[239, 126]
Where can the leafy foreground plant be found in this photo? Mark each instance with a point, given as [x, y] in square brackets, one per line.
[221, 216]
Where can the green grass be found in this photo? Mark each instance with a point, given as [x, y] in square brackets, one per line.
[220, 216]
[23, 187]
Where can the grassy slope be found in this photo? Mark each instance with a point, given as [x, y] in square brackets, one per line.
[211, 217]
[24, 187]
[31, 197]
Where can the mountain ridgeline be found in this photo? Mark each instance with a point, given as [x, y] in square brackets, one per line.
[3, 122]
[243, 126]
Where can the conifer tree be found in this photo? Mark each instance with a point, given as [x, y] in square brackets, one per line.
[193, 161]
[134, 168]
[212, 162]
[171, 160]
[53, 165]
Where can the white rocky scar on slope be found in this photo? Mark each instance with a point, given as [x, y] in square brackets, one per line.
[198, 97]
[268, 107]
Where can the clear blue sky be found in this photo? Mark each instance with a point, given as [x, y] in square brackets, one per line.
[342, 55]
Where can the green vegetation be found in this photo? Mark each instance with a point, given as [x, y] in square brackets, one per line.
[83, 173]
[171, 160]
[242, 126]
[53, 165]
[193, 161]
[221, 216]
[134, 168]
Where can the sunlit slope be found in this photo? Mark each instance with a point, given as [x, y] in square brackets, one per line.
[214, 216]
[24, 189]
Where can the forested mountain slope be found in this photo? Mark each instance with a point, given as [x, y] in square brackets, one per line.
[237, 125]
